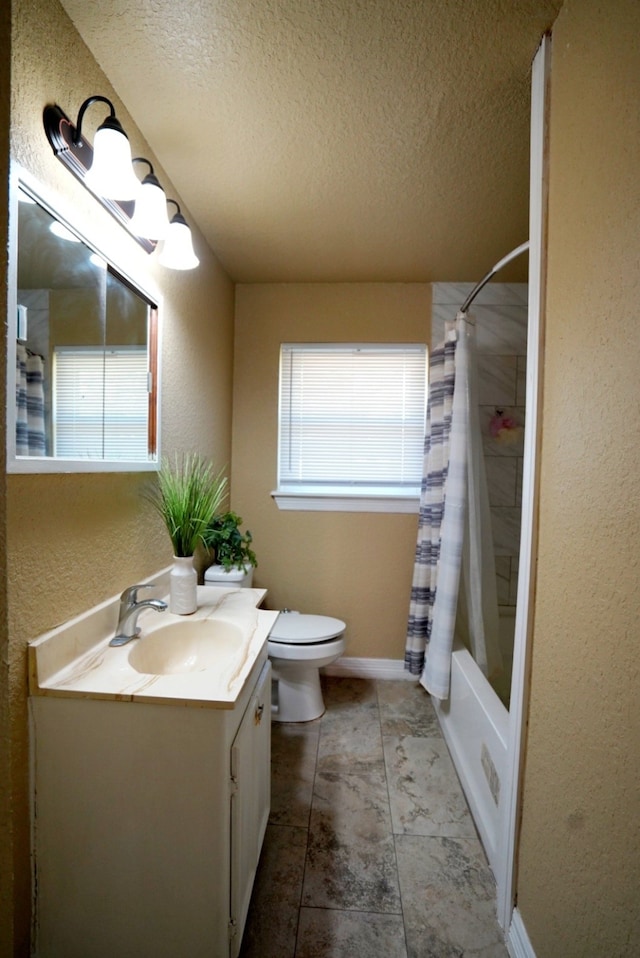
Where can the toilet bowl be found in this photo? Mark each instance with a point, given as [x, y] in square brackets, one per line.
[298, 646]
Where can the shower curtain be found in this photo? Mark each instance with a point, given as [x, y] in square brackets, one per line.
[22, 434]
[454, 530]
[30, 429]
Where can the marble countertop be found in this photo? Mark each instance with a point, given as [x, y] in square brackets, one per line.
[76, 660]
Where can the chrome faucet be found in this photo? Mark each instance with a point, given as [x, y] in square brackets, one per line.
[130, 609]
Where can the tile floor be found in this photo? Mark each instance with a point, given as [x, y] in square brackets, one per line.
[370, 849]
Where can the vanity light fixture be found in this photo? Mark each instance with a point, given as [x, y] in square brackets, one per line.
[150, 218]
[111, 179]
[177, 251]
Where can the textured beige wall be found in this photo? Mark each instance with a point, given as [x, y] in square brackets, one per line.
[6, 829]
[356, 566]
[73, 541]
[579, 869]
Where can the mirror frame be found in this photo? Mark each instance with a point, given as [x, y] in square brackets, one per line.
[21, 179]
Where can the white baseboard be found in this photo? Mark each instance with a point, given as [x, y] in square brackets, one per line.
[369, 669]
[518, 941]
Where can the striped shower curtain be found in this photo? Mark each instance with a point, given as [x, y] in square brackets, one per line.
[30, 429]
[454, 529]
[434, 592]
[22, 433]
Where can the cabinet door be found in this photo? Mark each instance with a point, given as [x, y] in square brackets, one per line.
[250, 800]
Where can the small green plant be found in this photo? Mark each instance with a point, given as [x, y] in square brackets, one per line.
[187, 494]
[232, 548]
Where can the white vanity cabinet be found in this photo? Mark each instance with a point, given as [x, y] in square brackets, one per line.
[148, 819]
[250, 801]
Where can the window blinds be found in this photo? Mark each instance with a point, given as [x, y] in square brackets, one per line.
[352, 416]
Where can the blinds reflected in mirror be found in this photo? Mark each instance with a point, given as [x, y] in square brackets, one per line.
[100, 407]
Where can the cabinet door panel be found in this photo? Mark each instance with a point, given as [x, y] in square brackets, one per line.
[250, 800]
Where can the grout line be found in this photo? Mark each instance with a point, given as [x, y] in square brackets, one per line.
[306, 851]
[393, 834]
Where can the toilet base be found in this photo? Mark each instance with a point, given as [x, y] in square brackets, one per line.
[297, 695]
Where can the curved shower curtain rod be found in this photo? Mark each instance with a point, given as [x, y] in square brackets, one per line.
[503, 262]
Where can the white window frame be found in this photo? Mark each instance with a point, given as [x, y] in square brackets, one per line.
[303, 495]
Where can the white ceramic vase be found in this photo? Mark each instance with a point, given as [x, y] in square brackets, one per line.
[183, 586]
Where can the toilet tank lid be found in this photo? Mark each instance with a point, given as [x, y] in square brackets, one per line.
[218, 573]
[297, 627]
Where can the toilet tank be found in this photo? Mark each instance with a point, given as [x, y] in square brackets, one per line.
[229, 579]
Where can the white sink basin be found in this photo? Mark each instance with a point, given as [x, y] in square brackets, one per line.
[186, 647]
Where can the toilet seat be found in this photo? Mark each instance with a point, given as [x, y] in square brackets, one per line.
[318, 653]
[295, 628]
[298, 647]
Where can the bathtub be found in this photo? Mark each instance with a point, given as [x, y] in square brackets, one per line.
[475, 726]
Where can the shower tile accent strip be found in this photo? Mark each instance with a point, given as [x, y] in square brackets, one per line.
[370, 849]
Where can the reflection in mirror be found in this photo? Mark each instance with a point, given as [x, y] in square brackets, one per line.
[85, 355]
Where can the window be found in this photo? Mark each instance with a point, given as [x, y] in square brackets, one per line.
[100, 402]
[351, 426]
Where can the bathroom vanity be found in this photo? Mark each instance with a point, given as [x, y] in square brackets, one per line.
[150, 792]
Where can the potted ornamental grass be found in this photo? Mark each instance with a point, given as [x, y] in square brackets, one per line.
[187, 494]
[233, 555]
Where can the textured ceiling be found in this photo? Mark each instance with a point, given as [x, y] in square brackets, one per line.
[333, 140]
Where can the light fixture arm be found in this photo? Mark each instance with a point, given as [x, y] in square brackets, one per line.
[111, 122]
[143, 159]
[177, 217]
[150, 177]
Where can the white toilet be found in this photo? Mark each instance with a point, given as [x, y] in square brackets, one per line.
[298, 646]
[229, 578]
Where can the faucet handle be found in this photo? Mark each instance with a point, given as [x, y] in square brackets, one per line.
[130, 596]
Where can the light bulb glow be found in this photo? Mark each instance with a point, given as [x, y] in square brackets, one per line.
[61, 231]
[150, 219]
[111, 173]
[177, 251]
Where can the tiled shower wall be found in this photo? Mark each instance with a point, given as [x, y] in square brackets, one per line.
[500, 312]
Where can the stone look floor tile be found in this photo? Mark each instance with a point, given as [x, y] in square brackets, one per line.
[424, 791]
[294, 752]
[406, 709]
[326, 933]
[332, 876]
[351, 855]
[350, 693]
[272, 922]
[351, 741]
[448, 899]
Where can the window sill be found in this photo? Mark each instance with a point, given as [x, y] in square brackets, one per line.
[345, 502]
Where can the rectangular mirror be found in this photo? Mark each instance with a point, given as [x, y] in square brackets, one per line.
[82, 352]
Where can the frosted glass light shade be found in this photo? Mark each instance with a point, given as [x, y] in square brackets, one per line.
[177, 251]
[111, 173]
[150, 219]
